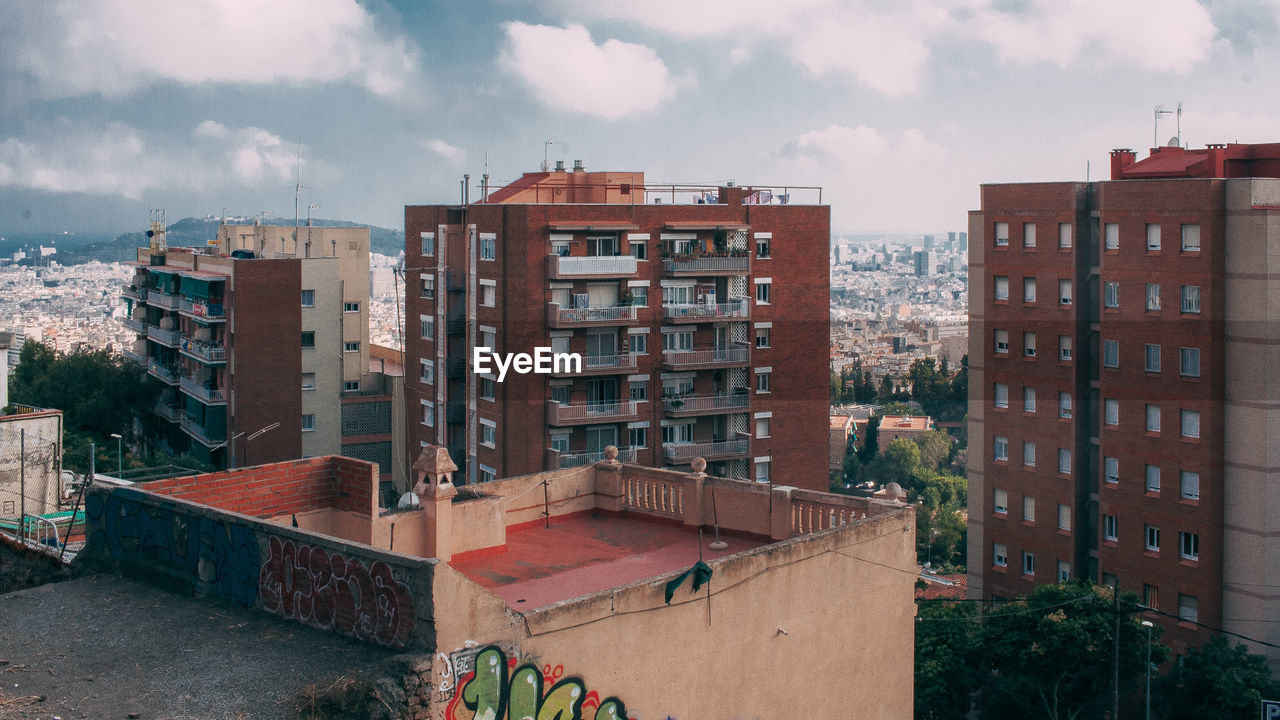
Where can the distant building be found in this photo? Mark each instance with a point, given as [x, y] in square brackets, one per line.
[924, 263]
[30, 462]
[843, 430]
[908, 427]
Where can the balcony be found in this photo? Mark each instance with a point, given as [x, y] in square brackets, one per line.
[138, 326]
[161, 299]
[135, 356]
[557, 459]
[457, 368]
[202, 310]
[167, 375]
[207, 353]
[558, 317]
[707, 359]
[682, 453]
[167, 411]
[601, 365]
[199, 390]
[584, 413]
[563, 267]
[457, 411]
[172, 338]
[721, 404]
[133, 292]
[707, 265]
[735, 309]
[202, 434]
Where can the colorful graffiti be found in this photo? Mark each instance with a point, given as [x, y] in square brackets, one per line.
[212, 557]
[326, 590]
[497, 687]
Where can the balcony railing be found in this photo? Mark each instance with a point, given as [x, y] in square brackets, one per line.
[695, 359]
[196, 389]
[626, 454]
[579, 413]
[134, 356]
[736, 309]
[165, 374]
[167, 411]
[707, 266]
[715, 450]
[131, 290]
[706, 404]
[159, 298]
[565, 267]
[138, 326]
[601, 365]
[165, 337]
[558, 317]
[193, 428]
[201, 309]
[210, 353]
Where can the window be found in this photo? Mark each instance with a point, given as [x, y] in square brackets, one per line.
[350, 307]
[638, 343]
[1001, 395]
[488, 433]
[428, 243]
[999, 554]
[1001, 287]
[426, 370]
[639, 249]
[1028, 289]
[1064, 291]
[351, 346]
[762, 245]
[1153, 478]
[1111, 235]
[762, 337]
[1064, 517]
[1153, 418]
[1109, 528]
[762, 471]
[308, 381]
[1190, 423]
[488, 247]
[1153, 236]
[429, 287]
[639, 390]
[678, 341]
[1028, 563]
[309, 339]
[1152, 535]
[1111, 411]
[1152, 364]
[763, 291]
[560, 248]
[308, 423]
[308, 298]
[1064, 235]
[1153, 296]
[1028, 235]
[487, 474]
[638, 437]
[488, 295]
[762, 427]
[1190, 238]
[1064, 405]
[428, 413]
[639, 295]
[1029, 344]
[1188, 608]
[488, 388]
[489, 339]
[1002, 341]
[762, 382]
[1191, 299]
[1000, 502]
[1111, 353]
[1064, 571]
[1064, 461]
[1189, 546]
[427, 327]
[1111, 469]
[560, 441]
[1001, 448]
[1111, 294]
[1150, 596]
[1029, 453]
[1190, 485]
[1189, 362]
[1028, 399]
[1065, 347]
[1002, 234]
[1028, 508]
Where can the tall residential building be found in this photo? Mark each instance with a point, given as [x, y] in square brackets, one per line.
[259, 339]
[1125, 386]
[700, 314]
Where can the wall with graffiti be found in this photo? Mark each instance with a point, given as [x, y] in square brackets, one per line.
[342, 587]
[481, 683]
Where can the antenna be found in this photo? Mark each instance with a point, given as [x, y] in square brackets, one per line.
[546, 147]
[1155, 133]
[297, 190]
[1180, 124]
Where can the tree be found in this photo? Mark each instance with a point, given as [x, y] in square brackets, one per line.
[935, 448]
[1215, 682]
[871, 444]
[946, 660]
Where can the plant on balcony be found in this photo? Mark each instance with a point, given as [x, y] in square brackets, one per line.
[628, 298]
[677, 403]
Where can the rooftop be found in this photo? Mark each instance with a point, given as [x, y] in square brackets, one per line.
[906, 422]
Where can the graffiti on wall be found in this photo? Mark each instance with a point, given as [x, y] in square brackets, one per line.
[326, 590]
[495, 686]
[214, 557]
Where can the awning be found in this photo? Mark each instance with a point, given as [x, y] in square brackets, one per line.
[708, 225]
[601, 226]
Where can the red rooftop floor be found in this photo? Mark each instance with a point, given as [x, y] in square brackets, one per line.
[583, 554]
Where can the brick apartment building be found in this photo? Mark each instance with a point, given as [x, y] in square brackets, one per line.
[1124, 410]
[261, 341]
[700, 314]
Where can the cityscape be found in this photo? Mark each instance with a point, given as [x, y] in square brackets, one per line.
[613, 360]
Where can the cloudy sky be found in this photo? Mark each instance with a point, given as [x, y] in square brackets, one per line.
[899, 109]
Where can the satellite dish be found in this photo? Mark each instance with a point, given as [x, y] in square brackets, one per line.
[408, 500]
[1173, 142]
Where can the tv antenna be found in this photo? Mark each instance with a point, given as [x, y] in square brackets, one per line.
[1155, 131]
[546, 148]
[297, 193]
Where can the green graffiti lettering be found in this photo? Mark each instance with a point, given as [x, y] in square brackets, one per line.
[491, 693]
[485, 693]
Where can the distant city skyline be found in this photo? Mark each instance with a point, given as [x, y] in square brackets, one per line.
[899, 113]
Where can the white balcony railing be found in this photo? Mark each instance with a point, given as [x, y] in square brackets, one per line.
[208, 352]
[138, 326]
[616, 314]
[201, 309]
[167, 411]
[134, 356]
[686, 452]
[708, 358]
[166, 337]
[197, 389]
[738, 308]
[694, 266]
[166, 374]
[162, 299]
[561, 414]
[626, 454]
[600, 265]
[695, 404]
[197, 431]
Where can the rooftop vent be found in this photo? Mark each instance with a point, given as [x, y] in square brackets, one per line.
[559, 166]
[577, 165]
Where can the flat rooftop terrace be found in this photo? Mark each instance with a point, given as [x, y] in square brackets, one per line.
[586, 553]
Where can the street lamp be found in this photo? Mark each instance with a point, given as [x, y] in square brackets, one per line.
[1147, 624]
[119, 455]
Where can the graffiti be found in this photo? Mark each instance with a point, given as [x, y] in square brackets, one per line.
[323, 589]
[497, 687]
[212, 557]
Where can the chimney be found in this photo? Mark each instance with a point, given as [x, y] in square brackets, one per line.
[1121, 158]
[577, 166]
[559, 166]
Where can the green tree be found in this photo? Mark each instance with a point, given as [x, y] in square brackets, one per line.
[1216, 682]
[929, 387]
[871, 443]
[935, 449]
[946, 660]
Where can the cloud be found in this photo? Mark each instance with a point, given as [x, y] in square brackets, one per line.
[451, 154]
[120, 160]
[565, 69]
[114, 47]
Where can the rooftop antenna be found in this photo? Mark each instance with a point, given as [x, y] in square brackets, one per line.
[484, 179]
[1180, 124]
[1155, 132]
[297, 190]
[546, 148]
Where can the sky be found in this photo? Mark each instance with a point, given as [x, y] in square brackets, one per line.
[898, 109]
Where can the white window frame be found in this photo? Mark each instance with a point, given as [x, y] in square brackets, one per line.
[488, 433]
[1028, 234]
[308, 422]
[1111, 469]
[1189, 485]
[1065, 239]
[488, 250]
[1064, 461]
[1001, 340]
[1111, 294]
[1189, 299]
[1110, 528]
[1151, 478]
[999, 555]
[427, 413]
[1000, 234]
[1000, 392]
[1188, 545]
[1151, 358]
[427, 243]
[1152, 303]
[1151, 537]
[1186, 355]
[1029, 453]
[1065, 405]
[1000, 288]
[1028, 399]
[1066, 292]
[1000, 448]
[1111, 411]
[1190, 423]
[427, 371]
[1153, 418]
[308, 298]
[764, 291]
[1111, 236]
[1153, 237]
[1000, 502]
[1190, 237]
[1110, 353]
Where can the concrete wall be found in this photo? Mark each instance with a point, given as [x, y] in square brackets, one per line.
[38, 457]
[977, 559]
[326, 359]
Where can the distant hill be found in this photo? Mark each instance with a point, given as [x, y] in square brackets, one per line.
[192, 232]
